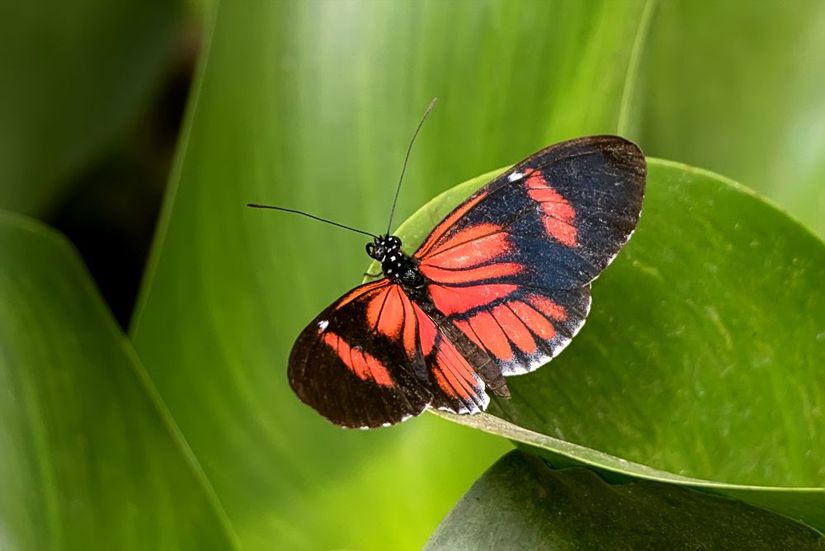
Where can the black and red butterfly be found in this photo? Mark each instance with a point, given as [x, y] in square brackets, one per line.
[498, 288]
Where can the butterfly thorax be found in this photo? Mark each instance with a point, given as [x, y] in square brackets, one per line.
[396, 265]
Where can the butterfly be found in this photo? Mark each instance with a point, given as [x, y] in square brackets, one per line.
[498, 288]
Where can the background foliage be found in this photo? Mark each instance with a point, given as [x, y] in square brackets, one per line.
[310, 104]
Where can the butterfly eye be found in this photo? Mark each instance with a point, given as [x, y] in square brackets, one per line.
[370, 249]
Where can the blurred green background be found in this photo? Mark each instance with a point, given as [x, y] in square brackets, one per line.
[151, 123]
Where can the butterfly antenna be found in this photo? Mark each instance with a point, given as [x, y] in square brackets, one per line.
[302, 213]
[407, 158]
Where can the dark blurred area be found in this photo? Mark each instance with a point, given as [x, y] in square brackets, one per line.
[111, 207]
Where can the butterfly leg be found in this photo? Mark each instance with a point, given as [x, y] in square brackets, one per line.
[367, 274]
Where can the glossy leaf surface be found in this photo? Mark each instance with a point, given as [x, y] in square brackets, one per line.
[521, 502]
[89, 457]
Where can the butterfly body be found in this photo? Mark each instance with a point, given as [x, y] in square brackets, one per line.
[497, 289]
[395, 264]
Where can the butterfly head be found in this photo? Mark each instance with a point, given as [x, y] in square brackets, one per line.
[383, 246]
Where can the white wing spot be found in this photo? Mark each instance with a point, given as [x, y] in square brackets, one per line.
[322, 326]
[513, 176]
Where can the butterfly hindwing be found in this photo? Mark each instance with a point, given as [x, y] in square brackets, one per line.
[527, 328]
[455, 384]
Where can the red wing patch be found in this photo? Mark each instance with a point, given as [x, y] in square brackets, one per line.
[470, 247]
[458, 300]
[471, 275]
[471, 255]
[458, 388]
[365, 366]
[515, 328]
[524, 330]
[390, 313]
[548, 307]
[448, 223]
[537, 322]
[492, 336]
[559, 215]
[427, 331]
[385, 312]
[453, 374]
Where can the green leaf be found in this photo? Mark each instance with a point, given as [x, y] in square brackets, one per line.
[523, 503]
[737, 87]
[90, 458]
[74, 75]
[310, 105]
[701, 360]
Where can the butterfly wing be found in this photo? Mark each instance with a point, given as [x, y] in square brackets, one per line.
[374, 358]
[510, 268]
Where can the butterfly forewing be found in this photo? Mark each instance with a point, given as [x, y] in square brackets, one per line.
[356, 373]
[374, 358]
[555, 220]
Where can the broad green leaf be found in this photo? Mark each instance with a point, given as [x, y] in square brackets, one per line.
[72, 75]
[310, 105]
[701, 360]
[89, 458]
[738, 87]
[522, 503]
